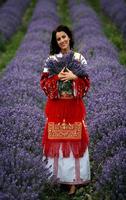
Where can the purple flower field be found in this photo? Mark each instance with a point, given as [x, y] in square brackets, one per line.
[11, 16]
[23, 172]
[113, 176]
[116, 10]
[105, 102]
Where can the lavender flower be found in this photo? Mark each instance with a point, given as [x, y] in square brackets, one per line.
[112, 182]
[116, 10]
[23, 173]
[22, 126]
[108, 147]
[21, 87]
[11, 15]
[105, 102]
[55, 66]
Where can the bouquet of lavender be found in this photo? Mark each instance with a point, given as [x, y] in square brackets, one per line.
[68, 61]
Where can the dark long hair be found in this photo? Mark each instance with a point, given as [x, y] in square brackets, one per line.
[54, 48]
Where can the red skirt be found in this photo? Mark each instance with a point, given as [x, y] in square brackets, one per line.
[72, 110]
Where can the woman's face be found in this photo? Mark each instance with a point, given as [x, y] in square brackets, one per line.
[63, 41]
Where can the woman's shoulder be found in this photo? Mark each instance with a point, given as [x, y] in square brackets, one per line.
[49, 59]
[53, 57]
[80, 57]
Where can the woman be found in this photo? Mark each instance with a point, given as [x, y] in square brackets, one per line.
[65, 139]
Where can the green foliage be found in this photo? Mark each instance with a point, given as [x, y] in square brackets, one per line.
[60, 192]
[113, 34]
[8, 49]
[122, 57]
[62, 8]
[54, 192]
[95, 4]
[2, 2]
[2, 42]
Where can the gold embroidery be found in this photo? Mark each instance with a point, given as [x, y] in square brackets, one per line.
[64, 130]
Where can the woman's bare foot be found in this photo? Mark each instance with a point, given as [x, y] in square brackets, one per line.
[72, 189]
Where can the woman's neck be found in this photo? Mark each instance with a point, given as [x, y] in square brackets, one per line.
[64, 51]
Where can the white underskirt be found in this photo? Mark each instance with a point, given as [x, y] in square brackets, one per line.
[70, 170]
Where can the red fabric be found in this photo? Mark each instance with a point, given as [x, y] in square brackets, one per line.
[81, 86]
[72, 110]
[49, 85]
[51, 148]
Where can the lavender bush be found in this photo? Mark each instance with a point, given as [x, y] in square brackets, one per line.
[106, 147]
[10, 16]
[21, 88]
[116, 10]
[105, 101]
[22, 175]
[21, 126]
[105, 86]
[21, 114]
[112, 182]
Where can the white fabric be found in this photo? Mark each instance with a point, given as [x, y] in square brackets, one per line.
[66, 168]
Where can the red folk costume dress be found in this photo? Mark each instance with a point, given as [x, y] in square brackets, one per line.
[65, 139]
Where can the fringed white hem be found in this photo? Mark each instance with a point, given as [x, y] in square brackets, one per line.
[70, 170]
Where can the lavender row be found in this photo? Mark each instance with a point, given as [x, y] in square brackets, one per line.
[22, 116]
[22, 172]
[111, 182]
[107, 75]
[11, 16]
[106, 98]
[24, 70]
[116, 10]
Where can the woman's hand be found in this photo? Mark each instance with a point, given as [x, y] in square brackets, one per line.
[65, 76]
[61, 74]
